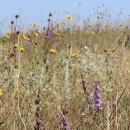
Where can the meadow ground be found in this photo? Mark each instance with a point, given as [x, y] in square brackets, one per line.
[65, 76]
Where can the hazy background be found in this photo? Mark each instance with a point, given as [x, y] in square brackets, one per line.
[37, 10]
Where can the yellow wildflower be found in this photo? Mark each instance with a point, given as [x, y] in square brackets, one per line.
[92, 32]
[9, 32]
[36, 34]
[105, 49]
[59, 23]
[56, 29]
[57, 34]
[24, 37]
[74, 54]
[63, 22]
[22, 49]
[15, 45]
[75, 23]
[52, 50]
[36, 44]
[5, 49]
[46, 37]
[39, 31]
[35, 24]
[69, 17]
[7, 36]
[1, 92]
[28, 39]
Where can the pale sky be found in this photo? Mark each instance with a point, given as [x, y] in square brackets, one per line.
[38, 10]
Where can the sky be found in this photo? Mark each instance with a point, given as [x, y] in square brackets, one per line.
[38, 10]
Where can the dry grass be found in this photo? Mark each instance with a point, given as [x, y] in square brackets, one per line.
[100, 56]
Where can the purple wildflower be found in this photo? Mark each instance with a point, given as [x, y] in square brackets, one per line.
[113, 100]
[65, 120]
[85, 90]
[125, 48]
[97, 96]
[39, 122]
[29, 35]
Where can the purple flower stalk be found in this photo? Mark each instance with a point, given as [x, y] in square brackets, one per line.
[64, 121]
[39, 122]
[97, 96]
[85, 90]
[113, 100]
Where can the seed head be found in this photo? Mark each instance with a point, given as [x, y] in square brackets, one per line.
[49, 20]
[17, 32]
[16, 16]
[12, 22]
[50, 14]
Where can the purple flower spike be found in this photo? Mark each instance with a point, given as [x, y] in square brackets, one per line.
[64, 120]
[97, 96]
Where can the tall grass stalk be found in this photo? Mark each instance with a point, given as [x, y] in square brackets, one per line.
[17, 84]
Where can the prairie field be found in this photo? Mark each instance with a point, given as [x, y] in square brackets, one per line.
[66, 76]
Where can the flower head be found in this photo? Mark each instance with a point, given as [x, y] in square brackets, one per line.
[97, 96]
[36, 34]
[75, 23]
[1, 92]
[46, 37]
[92, 32]
[57, 34]
[34, 24]
[15, 45]
[9, 32]
[74, 54]
[16, 16]
[22, 49]
[69, 17]
[52, 50]
[7, 36]
[105, 49]
[36, 44]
